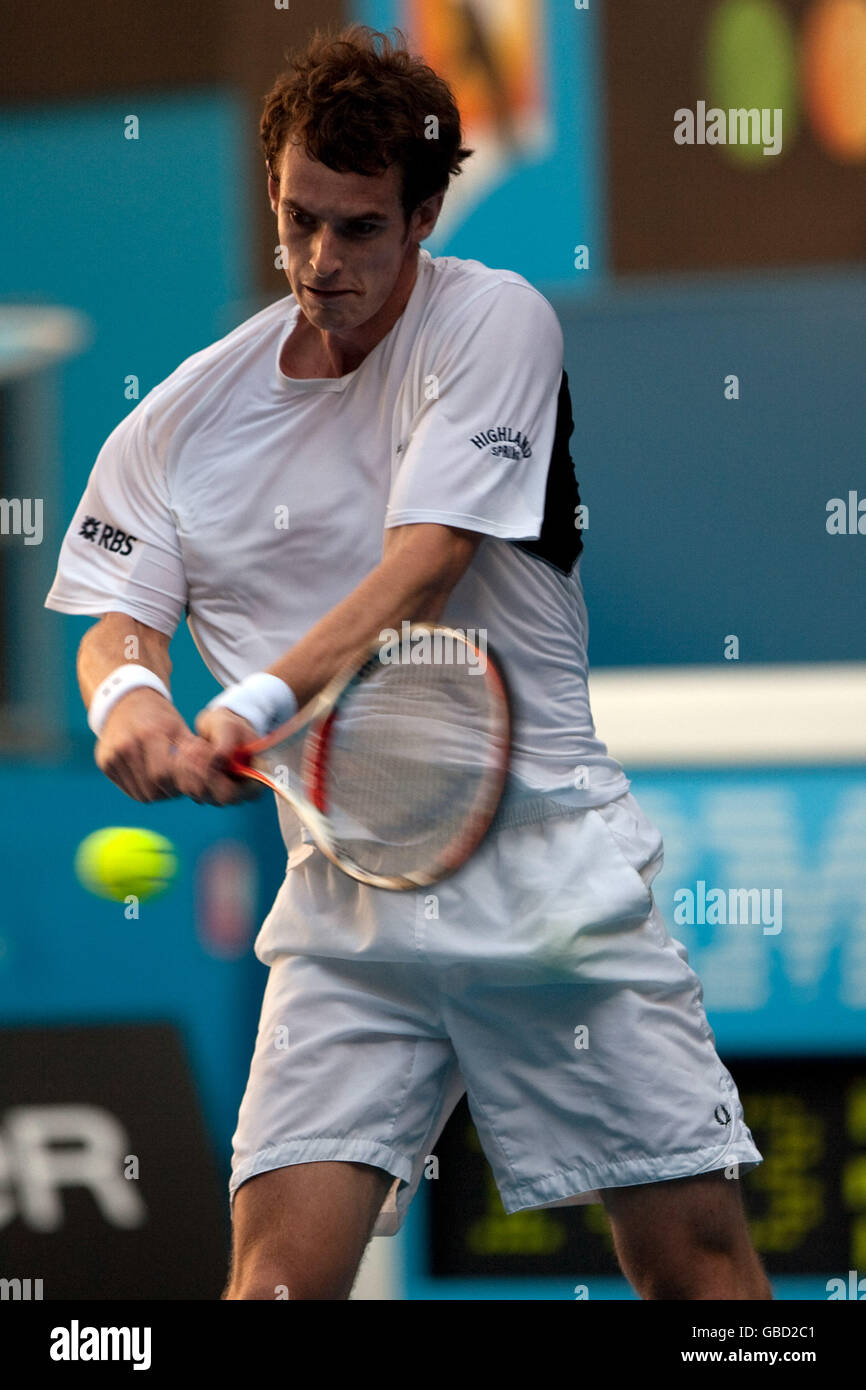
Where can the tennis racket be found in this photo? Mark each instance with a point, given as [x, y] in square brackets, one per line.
[397, 766]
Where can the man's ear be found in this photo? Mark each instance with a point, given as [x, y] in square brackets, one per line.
[426, 215]
[273, 188]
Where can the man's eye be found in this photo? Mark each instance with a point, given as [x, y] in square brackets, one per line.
[365, 228]
[301, 219]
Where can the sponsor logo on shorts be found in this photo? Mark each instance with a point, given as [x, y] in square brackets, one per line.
[506, 442]
[722, 1114]
[110, 537]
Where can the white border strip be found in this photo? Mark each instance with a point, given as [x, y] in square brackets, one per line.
[689, 716]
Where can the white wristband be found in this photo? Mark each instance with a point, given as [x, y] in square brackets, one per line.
[262, 699]
[114, 687]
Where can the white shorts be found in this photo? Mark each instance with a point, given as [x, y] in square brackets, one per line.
[539, 979]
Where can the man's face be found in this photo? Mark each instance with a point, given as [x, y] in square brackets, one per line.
[345, 238]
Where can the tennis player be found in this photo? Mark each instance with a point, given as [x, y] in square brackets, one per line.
[390, 442]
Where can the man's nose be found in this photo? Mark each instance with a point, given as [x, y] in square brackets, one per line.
[325, 254]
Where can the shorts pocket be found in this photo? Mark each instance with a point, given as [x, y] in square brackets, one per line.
[638, 839]
[626, 898]
[553, 895]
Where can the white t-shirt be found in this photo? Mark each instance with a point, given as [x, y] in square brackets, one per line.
[254, 502]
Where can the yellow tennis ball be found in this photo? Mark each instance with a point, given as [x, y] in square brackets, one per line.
[119, 861]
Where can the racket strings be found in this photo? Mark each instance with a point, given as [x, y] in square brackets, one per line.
[407, 762]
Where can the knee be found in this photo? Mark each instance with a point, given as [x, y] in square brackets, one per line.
[684, 1278]
[687, 1239]
[701, 1269]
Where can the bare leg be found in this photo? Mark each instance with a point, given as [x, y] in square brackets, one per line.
[686, 1239]
[303, 1229]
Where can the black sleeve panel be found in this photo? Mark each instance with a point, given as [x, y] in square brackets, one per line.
[561, 541]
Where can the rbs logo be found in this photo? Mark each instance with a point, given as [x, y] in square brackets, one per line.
[110, 537]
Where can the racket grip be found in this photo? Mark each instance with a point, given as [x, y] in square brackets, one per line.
[239, 761]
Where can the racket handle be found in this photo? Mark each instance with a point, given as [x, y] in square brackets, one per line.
[239, 761]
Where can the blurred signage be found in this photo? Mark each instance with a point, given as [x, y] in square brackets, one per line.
[806, 1202]
[775, 169]
[494, 59]
[226, 899]
[525, 77]
[108, 1187]
[765, 884]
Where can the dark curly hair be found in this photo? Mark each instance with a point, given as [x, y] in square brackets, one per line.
[358, 103]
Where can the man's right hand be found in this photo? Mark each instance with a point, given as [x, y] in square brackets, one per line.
[150, 753]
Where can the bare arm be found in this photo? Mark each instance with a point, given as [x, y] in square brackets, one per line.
[420, 566]
[145, 745]
[114, 639]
